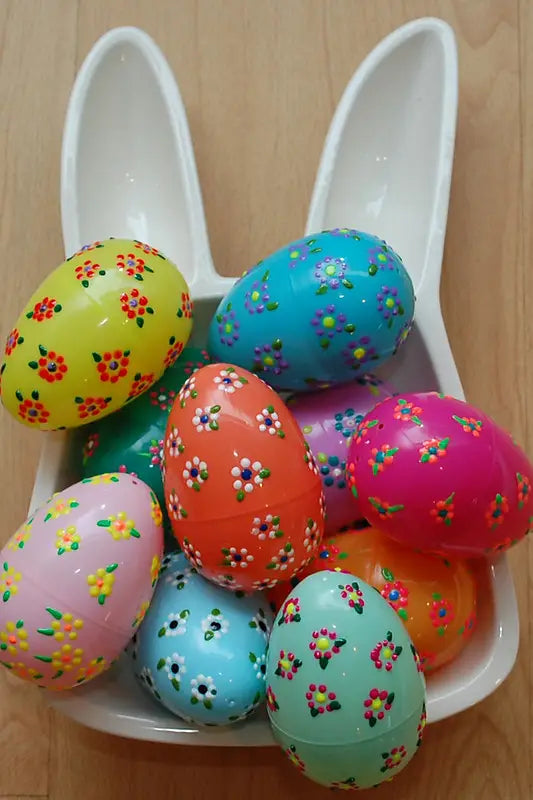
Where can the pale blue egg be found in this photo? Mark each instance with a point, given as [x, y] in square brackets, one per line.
[201, 649]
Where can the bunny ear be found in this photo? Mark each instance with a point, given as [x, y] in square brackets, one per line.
[387, 161]
[128, 167]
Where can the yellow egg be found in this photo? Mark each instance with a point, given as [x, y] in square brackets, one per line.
[99, 330]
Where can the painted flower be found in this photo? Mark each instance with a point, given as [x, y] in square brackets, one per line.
[259, 665]
[332, 470]
[228, 326]
[349, 784]
[194, 555]
[162, 398]
[381, 257]
[269, 358]
[523, 490]
[206, 419]
[174, 443]
[105, 478]
[228, 582]
[101, 583]
[469, 424]
[312, 535]
[175, 624]
[397, 596]
[174, 351]
[120, 526]
[385, 653]
[87, 271]
[441, 613]
[215, 625]
[95, 667]
[44, 309]
[140, 384]
[247, 476]
[433, 449]
[155, 566]
[267, 527]
[294, 758]
[407, 412]
[148, 250]
[271, 700]
[345, 233]
[394, 758]
[257, 297]
[147, 680]
[67, 540]
[324, 645]
[362, 429]
[300, 251]
[353, 594]
[195, 473]
[112, 366]
[319, 700]
[32, 411]
[203, 690]
[179, 580]
[22, 671]
[384, 509]
[283, 559]
[62, 625]
[135, 306]
[175, 509]
[90, 446]
[66, 658]
[236, 558]
[496, 511]
[421, 726]
[188, 390]
[132, 265]
[9, 580]
[20, 537]
[61, 507]
[327, 322]
[264, 583]
[381, 457]
[260, 623]
[347, 421]
[13, 638]
[140, 615]
[330, 274]
[389, 304]
[13, 339]
[269, 422]
[174, 666]
[288, 665]
[229, 381]
[186, 308]
[290, 611]
[444, 510]
[359, 352]
[377, 704]
[91, 406]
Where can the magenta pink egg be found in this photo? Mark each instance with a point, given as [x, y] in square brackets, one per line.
[328, 419]
[439, 475]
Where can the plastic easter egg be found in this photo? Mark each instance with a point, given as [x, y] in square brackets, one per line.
[76, 580]
[320, 311]
[99, 330]
[242, 489]
[345, 694]
[438, 474]
[328, 419]
[201, 650]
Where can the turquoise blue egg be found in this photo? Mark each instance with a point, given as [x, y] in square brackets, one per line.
[321, 311]
[345, 691]
[201, 650]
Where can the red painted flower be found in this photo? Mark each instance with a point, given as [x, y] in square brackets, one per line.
[150, 251]
[162, 398]
[51, 367]
[44, 309]
[290, 611]
[397, 596]
[353, 594]
[394, 758]
[91, 406]
[432, 450]
[135, 306]
[347, 785]
[444, 510]
[86, 248]
[441, 613]
[377, 704]
[140, 384]
[14, 338]
[324, 645]
[112, 366]
[174, 351]
[90, 446]
[319, 700]
[271, 700]
[362, 429]
[288, 665]
[496, 511]
[381, 457]
[385, 653]
[33, 411]
[186, 306]
[469, 424]
[87, 271]
[294, 758]
[384, 509]
[523, 488]
[132, 265]
[407, 412]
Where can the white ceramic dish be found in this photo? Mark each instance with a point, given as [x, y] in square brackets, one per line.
[117, 181]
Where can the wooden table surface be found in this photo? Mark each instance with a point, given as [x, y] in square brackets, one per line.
[260, 81]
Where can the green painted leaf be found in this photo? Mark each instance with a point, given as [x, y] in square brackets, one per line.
[208, 635]
[314, 712]
[347, 284]
[161, 663]
[139, 321]
[208, 704]
[104, 523]
[19, 396]
[45, 631]
[194, 700]
[97, 357]
[32, 364]
[42, 350]
[111, 568]
[272, 306]
[161, 632]
[45, 659]
[252, 657]
[35, 394]
[334, 705]
[175, 683]
[372, 721]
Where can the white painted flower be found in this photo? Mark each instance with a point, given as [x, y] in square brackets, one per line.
[268, 421]
[195, 473]
[194, 555]
[259, 666]
[247, 475]
[206, 419]
[283, 559]
[175, 624]
[228, 582]
[228, 381]
[147, 679]
[264, 584]
[188, 390]
[203, 690]
[237, 558]
[175, 509]
[174, 443]
[260, 623]
[175, 669]
[266, 528]
[214, 625]
[180, 579]
[311, 535]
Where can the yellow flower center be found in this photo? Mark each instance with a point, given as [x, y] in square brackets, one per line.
[396, 757]
[387, 652]
[376, 704]
[359, 352]
[389, 302]
[328, 322]
[269, 361]
[330, 270]
[255, 296]
[320, 697]
[285, 664]
[323, 643]
[228, 327]
[290, 608]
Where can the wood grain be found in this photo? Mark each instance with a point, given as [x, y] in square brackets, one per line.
[260, 82]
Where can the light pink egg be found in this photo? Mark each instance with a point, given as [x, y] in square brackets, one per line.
[77, 578]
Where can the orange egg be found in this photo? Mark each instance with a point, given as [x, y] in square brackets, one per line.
[242, 489]
[435, 597]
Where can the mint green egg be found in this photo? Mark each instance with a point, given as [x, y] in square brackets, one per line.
[345, 691]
